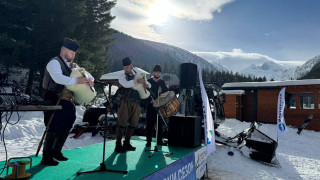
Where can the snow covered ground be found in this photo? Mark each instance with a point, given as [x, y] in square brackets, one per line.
[298, 155]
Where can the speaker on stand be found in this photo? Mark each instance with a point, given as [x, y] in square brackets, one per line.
[188, 75]
[188, 82]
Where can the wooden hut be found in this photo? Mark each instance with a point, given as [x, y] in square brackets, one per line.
[259, 101]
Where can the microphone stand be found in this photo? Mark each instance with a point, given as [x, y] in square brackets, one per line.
[103, 167]
[158, 113]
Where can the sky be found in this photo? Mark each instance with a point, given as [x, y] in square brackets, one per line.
[285, 30]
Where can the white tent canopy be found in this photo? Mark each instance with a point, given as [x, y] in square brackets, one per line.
[115, 75]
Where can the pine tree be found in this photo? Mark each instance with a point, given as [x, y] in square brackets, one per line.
[94, 35]
[14, 28]
[32, 32]
[52, 21]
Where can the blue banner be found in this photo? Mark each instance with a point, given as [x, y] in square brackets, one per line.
[184, 169]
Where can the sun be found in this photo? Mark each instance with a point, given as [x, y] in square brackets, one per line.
[158, 12]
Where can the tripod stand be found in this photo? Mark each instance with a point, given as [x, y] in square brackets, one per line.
[156, 146]
[103, 167]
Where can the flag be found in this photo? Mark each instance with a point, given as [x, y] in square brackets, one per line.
[208, 120]
[281, 124]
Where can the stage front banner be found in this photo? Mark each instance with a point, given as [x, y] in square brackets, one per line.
[183, 169]
[201, 161]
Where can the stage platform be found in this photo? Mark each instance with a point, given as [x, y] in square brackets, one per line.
[184, 163]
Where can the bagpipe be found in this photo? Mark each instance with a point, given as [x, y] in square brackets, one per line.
[83, 93]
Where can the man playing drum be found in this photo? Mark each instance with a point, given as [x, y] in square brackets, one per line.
[57, 75]
[129, 107]
[158, 87]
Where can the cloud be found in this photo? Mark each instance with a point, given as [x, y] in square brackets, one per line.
[188, 9]
[136, 17]
[270, 33]
[131, 19]
[198, 10]
[237, 53]
[124, 9]
[237, 60]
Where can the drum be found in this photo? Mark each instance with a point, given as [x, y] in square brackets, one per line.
[167, 103]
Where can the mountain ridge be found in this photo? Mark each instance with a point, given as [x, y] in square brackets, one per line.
[146, 54]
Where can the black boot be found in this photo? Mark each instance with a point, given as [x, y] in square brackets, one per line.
[128, 146]
[148, 144]
[48, 160]
[149, 139]
[60, 157]
[61, 139]
[119, 148]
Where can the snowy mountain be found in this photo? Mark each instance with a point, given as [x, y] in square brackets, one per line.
[270, 70]
[282, 72]
[300, 71]
[146, 54]
[253, 64]
[185, 56]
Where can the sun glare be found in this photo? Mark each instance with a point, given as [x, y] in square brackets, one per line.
[158, 12]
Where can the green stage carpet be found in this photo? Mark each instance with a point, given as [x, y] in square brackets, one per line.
[137, 163]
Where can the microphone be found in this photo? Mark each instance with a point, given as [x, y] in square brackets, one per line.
[99, 82]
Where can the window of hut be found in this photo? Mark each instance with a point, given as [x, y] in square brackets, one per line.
[307, 100]
[291, 100]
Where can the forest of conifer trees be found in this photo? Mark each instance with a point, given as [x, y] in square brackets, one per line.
[32, 32]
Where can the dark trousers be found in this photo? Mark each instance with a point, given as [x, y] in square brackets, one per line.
[60, 126]
[152, 121]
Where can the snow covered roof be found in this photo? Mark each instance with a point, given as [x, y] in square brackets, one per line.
[270, 84]
[233, 91]
[115, 75]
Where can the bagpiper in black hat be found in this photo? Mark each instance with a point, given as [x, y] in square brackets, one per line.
[157, 68]
[126, 61]
[70, 44]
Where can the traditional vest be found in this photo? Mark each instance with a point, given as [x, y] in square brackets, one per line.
[49, 84]
[129, 93]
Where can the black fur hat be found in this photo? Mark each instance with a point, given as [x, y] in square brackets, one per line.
[157, 68]
[126, 61]
[70, 44]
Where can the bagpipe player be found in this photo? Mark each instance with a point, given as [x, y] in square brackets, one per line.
[129, 107]
[56, 77]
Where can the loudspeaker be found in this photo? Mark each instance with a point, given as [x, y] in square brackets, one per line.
[188, 75]
[184, 131]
